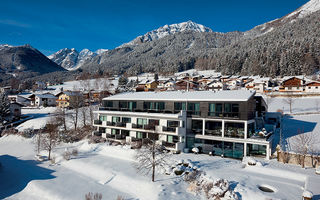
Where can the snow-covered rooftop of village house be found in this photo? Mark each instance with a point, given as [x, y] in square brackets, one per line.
[234, 95]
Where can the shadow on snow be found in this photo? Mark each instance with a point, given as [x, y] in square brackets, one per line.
[15, 174]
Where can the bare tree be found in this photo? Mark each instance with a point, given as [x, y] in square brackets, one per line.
[317, 102]
[37, 142]
[289, 99]
[269, 99]
[303, 143]
[50, 138]
[61, 116]
[76, 101]
[87, 87]
[84, 110]
[150, 156]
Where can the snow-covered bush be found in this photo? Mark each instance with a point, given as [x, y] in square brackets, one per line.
[195, 150]
[249, 161]
[74, 152]
[91, 196]
[192, 176]
[212, 189]
[67, 155]
[120, 197]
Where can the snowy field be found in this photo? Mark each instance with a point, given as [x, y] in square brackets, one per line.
[109, 170]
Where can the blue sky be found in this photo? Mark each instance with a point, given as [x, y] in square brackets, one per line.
[94, 24]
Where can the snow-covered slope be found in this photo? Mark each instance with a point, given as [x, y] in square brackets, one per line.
[168, 30]
[305, 10]
[71, 59]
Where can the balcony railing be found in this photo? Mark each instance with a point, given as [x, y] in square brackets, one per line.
[216, 132]
[110, 123]
[190, 113]
[169, 144]
[120, 124]
[97, 122]
[197, 131]
[169, 129]
[222, 115]
[144, 126]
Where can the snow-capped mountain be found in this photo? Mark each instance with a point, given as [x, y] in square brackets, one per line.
[71, 59]
[305, 10]
[168, 30]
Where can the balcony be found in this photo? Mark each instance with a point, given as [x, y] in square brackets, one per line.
[120, 124]
[190, 113]
[97, 122]
[149, 127]
[110, 123]
[169, 129]
[144, 126]
[169, 145]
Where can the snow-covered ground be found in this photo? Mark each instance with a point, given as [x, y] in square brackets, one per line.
[96, 84]
[109, 170]
[299, 105]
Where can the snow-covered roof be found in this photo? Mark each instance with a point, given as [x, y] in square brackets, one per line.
[49, 96]
[236, 95]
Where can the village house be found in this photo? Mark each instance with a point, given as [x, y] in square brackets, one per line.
[15, 111]
[312, 87]
[45, 99]
[293, 84]
[19, 99]
[65, 97]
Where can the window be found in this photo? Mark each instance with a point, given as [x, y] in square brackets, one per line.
[194, 108]
[215, 109]
[130, 105]
[142, 121]
[173, 123]
[141, 135]
[196, 126]
[158, 106]
[103, 118]
[172, 139]
[115, 119]
[179, 106]
[108, 104]
[115, 131]
[126, 119]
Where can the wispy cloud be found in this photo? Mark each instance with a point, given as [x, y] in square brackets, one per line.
[14, 23]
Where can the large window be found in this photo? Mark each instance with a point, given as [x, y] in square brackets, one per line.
[127, 105]
[215, 109]
[172, 139]
[141, 135]
[115, 131]
[196, 126]
[231, 110]
[223, 110]
[103, 118]
[141, 122]
[172, 123]
[115, 119]
[108, 104]
[179, 106]
[154, 106]
[126, 119]
[256, 150]
[194, 108]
